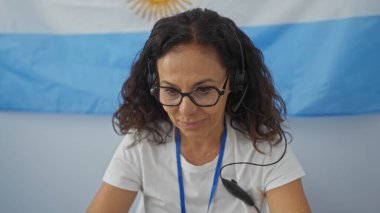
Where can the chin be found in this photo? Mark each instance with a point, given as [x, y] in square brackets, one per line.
[193, 128]
[193, 133]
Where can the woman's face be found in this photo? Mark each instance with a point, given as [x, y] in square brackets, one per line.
[187, 67]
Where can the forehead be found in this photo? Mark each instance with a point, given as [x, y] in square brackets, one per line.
[190, 61]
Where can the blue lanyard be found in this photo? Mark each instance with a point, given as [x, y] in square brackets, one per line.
[179, 170]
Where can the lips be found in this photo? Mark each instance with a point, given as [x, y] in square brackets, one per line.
[191, 125]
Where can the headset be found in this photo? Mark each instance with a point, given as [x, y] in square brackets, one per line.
[151, 77]
[240, 85]
[240, 82]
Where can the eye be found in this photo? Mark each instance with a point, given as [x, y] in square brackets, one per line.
[170, 91]
[203, 90]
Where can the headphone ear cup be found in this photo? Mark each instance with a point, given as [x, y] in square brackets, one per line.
[151, 76]
[151, 79]
[240, 81]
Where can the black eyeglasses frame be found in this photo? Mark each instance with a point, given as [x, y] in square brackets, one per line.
[188, 94]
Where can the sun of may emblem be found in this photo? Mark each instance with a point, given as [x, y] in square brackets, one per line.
[156, 9]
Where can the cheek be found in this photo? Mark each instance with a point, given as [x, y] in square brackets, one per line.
[222, 103]
[218, 110]
[170, 111]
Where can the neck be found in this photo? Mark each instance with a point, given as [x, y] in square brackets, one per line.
[199, 151]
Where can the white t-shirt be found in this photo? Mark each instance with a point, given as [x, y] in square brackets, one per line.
[152, 169]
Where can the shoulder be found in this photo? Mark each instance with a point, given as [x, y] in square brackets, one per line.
[262, 152]
[137, 140]
[137, 136]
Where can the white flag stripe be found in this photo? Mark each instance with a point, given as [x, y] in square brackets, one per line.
[107, 16]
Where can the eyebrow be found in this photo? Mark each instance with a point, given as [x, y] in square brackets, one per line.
[194, 85]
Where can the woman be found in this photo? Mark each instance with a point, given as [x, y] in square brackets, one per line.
[199, 97]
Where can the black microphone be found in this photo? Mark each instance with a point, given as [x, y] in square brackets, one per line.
[237, 191]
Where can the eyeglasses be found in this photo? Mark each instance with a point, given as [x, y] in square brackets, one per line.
[200, 96]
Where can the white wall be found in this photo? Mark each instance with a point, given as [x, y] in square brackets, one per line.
[54, 163]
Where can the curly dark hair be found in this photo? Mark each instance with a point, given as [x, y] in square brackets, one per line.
[262, 112]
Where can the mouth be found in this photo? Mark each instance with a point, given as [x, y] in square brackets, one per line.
[192, 125]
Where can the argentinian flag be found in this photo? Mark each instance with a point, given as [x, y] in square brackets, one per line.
[72, 56]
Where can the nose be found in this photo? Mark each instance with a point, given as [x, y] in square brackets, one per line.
[187, 107]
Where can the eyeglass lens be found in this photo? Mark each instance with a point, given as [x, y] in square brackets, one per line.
[202, 96]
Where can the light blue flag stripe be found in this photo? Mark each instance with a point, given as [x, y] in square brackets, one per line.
[65, 74]
[325, 68]
[320, 68]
